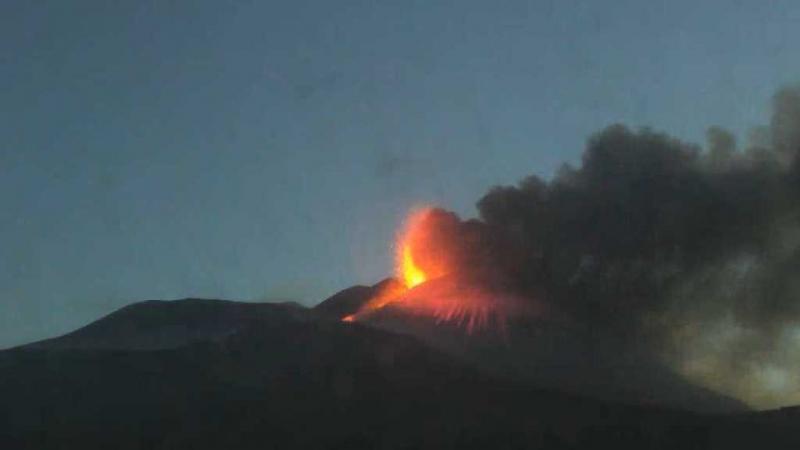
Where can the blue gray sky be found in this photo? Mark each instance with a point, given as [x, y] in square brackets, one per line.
[268, 150]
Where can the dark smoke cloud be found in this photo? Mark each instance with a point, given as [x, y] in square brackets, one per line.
[446, 245]
[693, 252]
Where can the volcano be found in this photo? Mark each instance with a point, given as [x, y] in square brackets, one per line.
[445, 354]
[446, 294]
[534, 347]
[203, 374]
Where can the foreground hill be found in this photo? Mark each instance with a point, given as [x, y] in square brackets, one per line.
[544, 352]
[240, 376]
[157, 324]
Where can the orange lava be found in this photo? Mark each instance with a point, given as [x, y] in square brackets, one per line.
[431, 280]
[409, 272]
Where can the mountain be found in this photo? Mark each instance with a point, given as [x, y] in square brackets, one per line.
[548, 353]
[156, 324]
[211, 374]
[350, 300]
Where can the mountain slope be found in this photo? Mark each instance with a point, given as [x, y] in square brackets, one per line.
[545, 352]
[349, 301]
[156, 324]
[289, 378]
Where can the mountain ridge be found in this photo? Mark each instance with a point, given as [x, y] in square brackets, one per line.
[291, 377]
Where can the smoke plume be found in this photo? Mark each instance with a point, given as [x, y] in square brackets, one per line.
[690, 251]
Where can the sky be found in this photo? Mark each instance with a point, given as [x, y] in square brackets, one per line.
[269, 150]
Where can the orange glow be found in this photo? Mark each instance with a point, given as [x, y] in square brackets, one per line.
[420, 253]
[433, 277]
[407, 269]
[409, 272]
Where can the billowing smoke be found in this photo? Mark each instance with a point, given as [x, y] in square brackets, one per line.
[692, 252]
[443, 244]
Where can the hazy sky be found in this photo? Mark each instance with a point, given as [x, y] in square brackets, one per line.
[268, 150]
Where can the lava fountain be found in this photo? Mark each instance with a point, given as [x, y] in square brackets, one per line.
[438, 275]
[409, 272]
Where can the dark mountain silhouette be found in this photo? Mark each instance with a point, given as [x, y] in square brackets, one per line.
[548, 353]
[156, 324]
[350, 300]
[206, 374]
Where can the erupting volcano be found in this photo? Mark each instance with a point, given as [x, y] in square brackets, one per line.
[439, 274]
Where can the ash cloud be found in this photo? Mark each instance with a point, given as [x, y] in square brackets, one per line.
[446, 245]
[690, 251]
